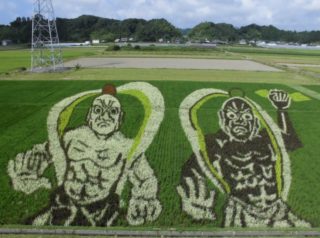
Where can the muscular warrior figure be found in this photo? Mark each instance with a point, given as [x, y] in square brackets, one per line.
[97, 168]
[245, 158]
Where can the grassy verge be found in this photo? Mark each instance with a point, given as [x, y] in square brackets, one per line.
[43, 236]
[171, 52]
[168, 75]
[15, 60]
[275, 56]
[270, 51]
[24, 124]
[312, 69]
[153, 228]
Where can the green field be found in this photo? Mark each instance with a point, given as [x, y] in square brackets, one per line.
[314, 88]
[14, 59]
[10, 66]
[274, 56]
[312, 69]
[27, 98]
[24, 124]
[13, 62]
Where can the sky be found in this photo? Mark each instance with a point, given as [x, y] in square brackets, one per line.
[297, 15]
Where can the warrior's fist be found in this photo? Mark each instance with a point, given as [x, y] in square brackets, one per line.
[196, 202]
[279, 99]
[27, 168]
[141, 211]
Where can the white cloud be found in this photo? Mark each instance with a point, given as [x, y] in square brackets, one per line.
[313, 5]
[310, 5]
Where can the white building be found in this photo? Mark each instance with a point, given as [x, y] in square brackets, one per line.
[6, 42]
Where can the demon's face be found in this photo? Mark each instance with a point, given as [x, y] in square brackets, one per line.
[105, 115]
[237, 120]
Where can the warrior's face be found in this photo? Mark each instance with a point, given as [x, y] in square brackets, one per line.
[237, 120]
[105, 115]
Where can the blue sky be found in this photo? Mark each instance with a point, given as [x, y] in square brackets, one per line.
[285, 14]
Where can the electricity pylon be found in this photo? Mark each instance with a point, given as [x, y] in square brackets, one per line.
[45, 48]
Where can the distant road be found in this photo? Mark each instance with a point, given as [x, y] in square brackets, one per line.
[170, 63]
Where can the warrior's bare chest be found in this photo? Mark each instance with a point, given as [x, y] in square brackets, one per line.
[88, 171]
[248, 170]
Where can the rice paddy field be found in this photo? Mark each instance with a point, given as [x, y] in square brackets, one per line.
[24, 124]
[314, 88]
[26, 100]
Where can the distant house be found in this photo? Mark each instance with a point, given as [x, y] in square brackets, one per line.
[6, 42]
[95, 41]
[242, 42]
[123, 39]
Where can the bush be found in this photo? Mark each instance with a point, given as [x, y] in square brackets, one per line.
[116, 48]
[127, 47]
[137, 47]
[21, 69]
[113, 48]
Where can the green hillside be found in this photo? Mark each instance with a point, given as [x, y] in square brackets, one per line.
[88, 27]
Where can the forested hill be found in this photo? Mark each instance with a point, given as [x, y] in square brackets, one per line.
[227, 32]
[88, 27]
[91, 27]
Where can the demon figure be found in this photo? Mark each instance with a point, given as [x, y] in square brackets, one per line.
[244, 157]
[95, 169]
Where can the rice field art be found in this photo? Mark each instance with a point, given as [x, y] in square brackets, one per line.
[144, 154]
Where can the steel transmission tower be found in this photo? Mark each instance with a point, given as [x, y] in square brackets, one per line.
[45, 49]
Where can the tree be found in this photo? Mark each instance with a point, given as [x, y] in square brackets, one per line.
[210, 31]
[158, 29]
[88, 27]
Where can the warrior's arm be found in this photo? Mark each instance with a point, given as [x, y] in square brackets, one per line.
[145, 184]
[143, 205]
[282, 101]
[289, 135]
[214, 153]
[189, 170]
[26, 170]
[196, 200]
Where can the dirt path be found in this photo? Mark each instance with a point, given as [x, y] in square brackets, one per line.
[170, 63]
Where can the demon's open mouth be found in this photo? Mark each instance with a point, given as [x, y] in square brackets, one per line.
[240, 130]
[104, 124]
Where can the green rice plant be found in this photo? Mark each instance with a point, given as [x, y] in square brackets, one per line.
[25, 106]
